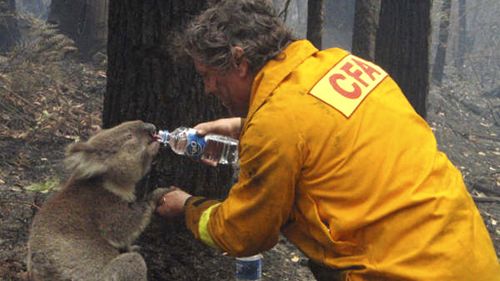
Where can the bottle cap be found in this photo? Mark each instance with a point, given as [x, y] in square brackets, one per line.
[163, 136]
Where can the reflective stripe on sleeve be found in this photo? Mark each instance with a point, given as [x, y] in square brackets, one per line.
[203, 227]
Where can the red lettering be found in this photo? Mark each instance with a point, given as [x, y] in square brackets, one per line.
[366, 68]
[354, 94]
[354, 74]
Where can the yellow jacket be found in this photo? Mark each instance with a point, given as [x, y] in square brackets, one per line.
[334, 157]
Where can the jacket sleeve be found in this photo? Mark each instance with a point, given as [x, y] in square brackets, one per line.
[197, 210]
[259, 204]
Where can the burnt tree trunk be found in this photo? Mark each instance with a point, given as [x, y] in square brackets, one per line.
[462, 35]
[9, 31]
[315, 22]
[402, 47]
[338, 24]
[444, 27]
[366, 16]
[93, 31]
[38, 8]
[84, 21]
[145, 83]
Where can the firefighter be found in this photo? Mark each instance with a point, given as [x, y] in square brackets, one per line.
[332, 155]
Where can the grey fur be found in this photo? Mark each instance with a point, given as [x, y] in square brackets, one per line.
[83, 230]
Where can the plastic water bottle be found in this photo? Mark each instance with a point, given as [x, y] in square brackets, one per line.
[217, 149]
[249, 268]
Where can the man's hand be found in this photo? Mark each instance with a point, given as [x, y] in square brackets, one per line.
[230, 127]
[171, 204]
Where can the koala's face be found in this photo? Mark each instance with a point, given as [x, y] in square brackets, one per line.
[132, 136]
[123, 153]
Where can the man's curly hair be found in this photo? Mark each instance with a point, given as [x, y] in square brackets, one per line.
[250, 24]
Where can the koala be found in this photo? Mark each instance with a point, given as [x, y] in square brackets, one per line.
[86, 230]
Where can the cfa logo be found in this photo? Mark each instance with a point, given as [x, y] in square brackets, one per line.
[358, 74]
[348, 83]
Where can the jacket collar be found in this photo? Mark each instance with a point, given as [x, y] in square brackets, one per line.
[274, 71]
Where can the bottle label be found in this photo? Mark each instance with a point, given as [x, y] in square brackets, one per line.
[249, 269]
[195, 145]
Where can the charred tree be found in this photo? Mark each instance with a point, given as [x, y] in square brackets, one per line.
[9, 31]
[83, 21]
[366, 16]
[145, 82]
[338, 25]
[462, 35]
[38, 8]
[315, 22]
[402, 47]
[94, 30]
[444, 27]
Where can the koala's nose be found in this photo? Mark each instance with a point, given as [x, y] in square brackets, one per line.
[150, 128]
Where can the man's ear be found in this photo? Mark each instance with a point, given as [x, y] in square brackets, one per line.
[240, 62]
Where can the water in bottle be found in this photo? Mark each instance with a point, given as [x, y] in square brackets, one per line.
[220, 149]
[216, 149]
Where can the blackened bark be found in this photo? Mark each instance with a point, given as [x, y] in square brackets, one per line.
[338, 21]
[462, 35]
[444, 27]
[144, 82]
[84, 21]
[9, 31]
[366, 16]
[402, 47]
[93, 31]
[38, 8]
[315, 22]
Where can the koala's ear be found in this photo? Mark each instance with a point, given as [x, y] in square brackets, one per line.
[83, 162]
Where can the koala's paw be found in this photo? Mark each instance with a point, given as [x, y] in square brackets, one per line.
[156, 195]
[133, 248]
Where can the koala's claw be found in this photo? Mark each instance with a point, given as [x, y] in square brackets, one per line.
[158, 193]
[133, 248]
